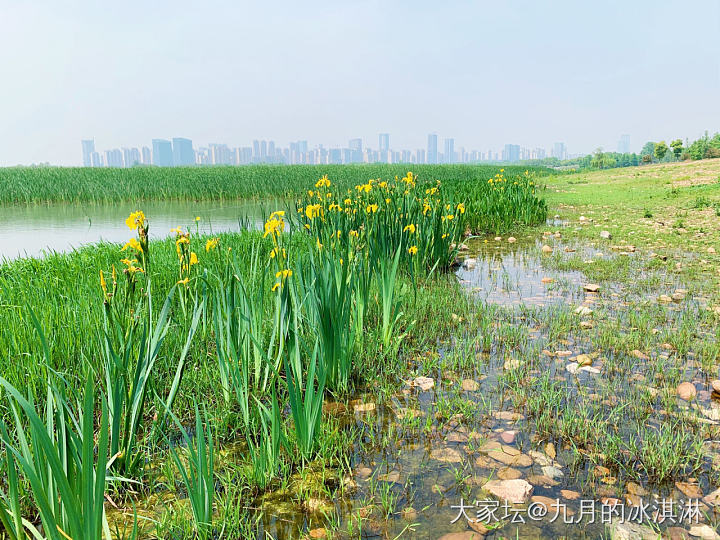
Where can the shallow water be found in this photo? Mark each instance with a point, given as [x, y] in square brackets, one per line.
[431, 458]
[31, 230]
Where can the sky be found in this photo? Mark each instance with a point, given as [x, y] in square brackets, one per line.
[486, 73]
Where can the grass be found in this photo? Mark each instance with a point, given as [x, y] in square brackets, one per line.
[252, 341]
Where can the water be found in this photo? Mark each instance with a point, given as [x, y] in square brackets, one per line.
[423, 470]
[28, 231]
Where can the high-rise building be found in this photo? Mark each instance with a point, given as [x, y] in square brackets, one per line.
[146, 156]
[131, 156]
[114, 158]
[624, 144]
[511, 152]
[88, 148]
[220, 154]
[384, 142]
[559, 150]
[432, 149]
[420, 156]
[356, 147]
[449, 150]
[162, 153]
[96, 160]
[182, 152]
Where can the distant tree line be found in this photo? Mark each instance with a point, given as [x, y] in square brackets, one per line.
[705, 147]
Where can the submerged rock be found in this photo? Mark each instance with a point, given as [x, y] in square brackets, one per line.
[629, 530]
[364, 407]
[583, 311]
[552, 472]
[686, 391]
[704, 531]
[469, 385]
[424, 383]
[466, 535]
[446, 455]
[713, 498]
[515, 491]
[547, 249]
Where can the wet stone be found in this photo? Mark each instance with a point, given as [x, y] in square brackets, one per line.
[393, 477]
[508, 473]
[541, 480]
[713, 498]
[424, 383]
[686, 391]
[676, 533]
[467, 535]
[363, 407]
[631, 531]
[552, 472]
[363, 473]
[469, 385]
[514, 491]
[569, 494]
[690, 490]
[705, 532]
[446, 455]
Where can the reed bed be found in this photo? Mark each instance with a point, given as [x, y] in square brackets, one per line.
[493, 211]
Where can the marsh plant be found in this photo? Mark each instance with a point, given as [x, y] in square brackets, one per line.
[55, 452]
[197, 470]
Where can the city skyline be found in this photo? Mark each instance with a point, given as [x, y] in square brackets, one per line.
[179, 151]
[535, 74]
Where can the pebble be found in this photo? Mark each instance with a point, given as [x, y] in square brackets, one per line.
[704, 531]
[569, 495]
[446, 455]
[508, 436]
[690, 490]
[508, 473]
[364, 407]
[424, 383]
[552, 472]
[541, 480]
[686, 391]
[512, 240]
[467, 535]
[515, 491]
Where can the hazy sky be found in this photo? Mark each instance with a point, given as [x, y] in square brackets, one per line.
[486, 73]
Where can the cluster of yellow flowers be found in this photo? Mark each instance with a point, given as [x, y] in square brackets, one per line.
[390, 213]
[274, 227]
